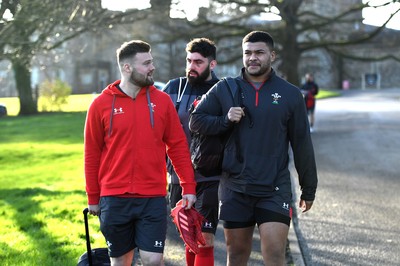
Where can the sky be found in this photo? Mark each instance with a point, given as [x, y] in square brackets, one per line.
[373, 16]
[189, 6]
[377, 16]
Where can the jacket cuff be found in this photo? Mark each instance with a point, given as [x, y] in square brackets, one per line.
[308, 194]
[189, 189]
[93, 199]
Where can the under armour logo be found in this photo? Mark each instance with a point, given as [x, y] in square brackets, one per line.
[285, 206]
[158, 244]
[118, 111]
[109, 244]
[208, 225]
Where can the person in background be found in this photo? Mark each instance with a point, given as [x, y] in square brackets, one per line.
[310, 90]
[200, 77]
[255, 186]
[129, 128]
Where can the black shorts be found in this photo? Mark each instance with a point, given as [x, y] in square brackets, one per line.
[208, 205]
[207, 202]
[127, 223]
[239, 210]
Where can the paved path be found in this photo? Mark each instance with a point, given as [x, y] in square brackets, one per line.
[355, 218]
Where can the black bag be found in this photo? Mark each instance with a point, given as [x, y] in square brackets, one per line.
[93, 257]
[207, 154]
[3, 110]
[207, 151]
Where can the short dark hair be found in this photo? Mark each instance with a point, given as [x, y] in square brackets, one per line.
[259, 36]
[203, 46]
[131, 48]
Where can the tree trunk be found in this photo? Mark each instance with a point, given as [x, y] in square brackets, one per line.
[289, 67]
[28, 104]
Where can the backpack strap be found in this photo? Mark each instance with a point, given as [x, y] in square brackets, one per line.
[233, 87]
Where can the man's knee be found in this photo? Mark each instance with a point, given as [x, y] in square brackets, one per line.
[209, 238]
[151, 258]
[123, 260]
[275, 257]
[238, 252]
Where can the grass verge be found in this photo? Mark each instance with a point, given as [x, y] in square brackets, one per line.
[42, 190]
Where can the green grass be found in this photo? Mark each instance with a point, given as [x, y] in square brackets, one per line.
[76, 103]
[327, 94]
[42, 190]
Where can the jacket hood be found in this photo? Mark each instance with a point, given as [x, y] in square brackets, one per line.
[112, 89]
[214, 79]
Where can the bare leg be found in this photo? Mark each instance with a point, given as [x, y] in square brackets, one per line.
[312, 119]
[151, 258]
[209, 238]
[124, 260]
[238, 245]
[273, 243]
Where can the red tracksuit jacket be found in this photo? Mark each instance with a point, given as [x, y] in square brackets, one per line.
[126, 141]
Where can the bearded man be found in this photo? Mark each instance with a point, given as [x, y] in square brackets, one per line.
[200, 77]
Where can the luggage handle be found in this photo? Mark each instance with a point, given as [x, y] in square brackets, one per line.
[88, 248]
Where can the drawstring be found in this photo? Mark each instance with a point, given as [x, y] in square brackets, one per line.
[148, 103]
[180, 94]
[111, 116]
[150, 107]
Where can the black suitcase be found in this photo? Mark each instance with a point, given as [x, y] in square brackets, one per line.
[96, 256]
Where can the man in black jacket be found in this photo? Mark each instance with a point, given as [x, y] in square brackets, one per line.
[255, 186]
[200, 77]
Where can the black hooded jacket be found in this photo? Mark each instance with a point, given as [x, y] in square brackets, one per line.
[183, 103]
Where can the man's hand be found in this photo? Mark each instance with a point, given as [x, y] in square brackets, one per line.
[235, 114]
[305, 205]
[94, 209]
[188, 201]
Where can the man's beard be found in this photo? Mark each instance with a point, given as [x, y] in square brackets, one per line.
[201, 78]
[263, 69]
[141, 80]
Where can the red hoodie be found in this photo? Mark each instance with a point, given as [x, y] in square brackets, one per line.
[125, 144]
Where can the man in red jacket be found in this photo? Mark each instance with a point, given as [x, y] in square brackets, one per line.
[129, 128]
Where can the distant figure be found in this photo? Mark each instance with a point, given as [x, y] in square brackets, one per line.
[310, 90]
